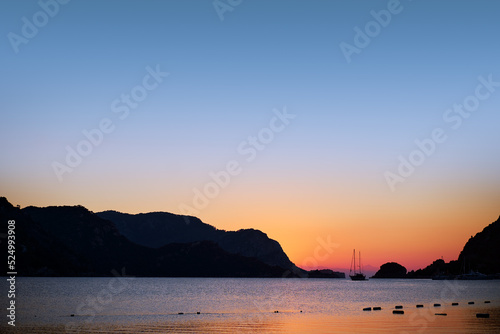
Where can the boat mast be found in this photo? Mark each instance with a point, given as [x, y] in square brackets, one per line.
[354, 256]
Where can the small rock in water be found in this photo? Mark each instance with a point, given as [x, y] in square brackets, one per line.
[487, 302]
[377, 308]
[482, 315]
[420, 305]
[181, 313]
[437, 305]
[367, 309]
[397, 307]
[398, 312]
[441, 314]
[197, 312]
[470, 303]
[454, 304]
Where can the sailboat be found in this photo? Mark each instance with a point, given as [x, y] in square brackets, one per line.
[353, 274]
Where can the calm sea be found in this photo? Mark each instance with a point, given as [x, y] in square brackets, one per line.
[226, 305]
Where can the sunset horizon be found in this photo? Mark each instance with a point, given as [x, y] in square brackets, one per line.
[327, 253]
[298, 130]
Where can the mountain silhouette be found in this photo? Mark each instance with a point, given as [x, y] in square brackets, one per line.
[73, 241]
[157, 229]
[481, 253]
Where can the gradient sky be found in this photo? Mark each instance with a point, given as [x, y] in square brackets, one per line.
[321, 178]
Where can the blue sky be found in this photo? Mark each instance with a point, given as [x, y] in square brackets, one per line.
[225, 78]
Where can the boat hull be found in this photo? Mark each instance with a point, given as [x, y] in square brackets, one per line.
[358, 277]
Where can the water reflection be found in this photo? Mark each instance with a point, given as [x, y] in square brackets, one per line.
[459, 319]
[248, 305]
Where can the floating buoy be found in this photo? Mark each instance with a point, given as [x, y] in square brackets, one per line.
[276, 311]
[420, 305]
[377, 308]
[197, 312]
[398, 312]
[440, 314]
[367, 309]
[397, 307]
[487, 302]
[437, 305]
[454, 304]
[470, 303]
[482, 315]
[300, 311]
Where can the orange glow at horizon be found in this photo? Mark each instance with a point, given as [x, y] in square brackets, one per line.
[413, 228]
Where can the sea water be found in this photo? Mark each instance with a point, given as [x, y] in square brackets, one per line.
[201, 305]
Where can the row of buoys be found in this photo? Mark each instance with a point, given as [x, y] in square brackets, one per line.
[376, 308]
[181, 313]
[398, 309]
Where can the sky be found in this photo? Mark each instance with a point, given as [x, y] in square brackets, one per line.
[329, 125]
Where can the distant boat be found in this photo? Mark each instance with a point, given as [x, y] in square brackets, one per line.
[472, 275]
[355, 273]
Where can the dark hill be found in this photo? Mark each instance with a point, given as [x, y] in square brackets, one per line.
[390, 270]
[37, 252]
[157, 229]
[325, 273]
[482, 252]
[73, 241]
